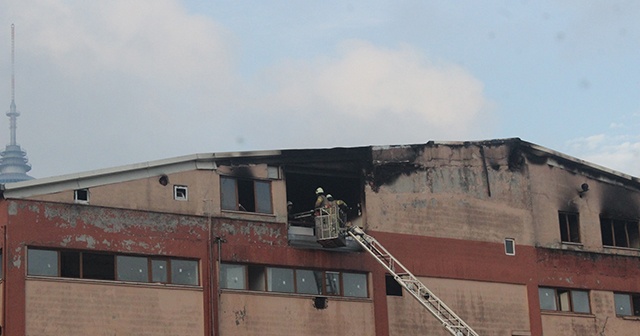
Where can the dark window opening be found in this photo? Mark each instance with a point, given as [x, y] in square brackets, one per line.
[70, 264]
[81, 195]
[180, 193]
[246, 195]
[98, 266]
[393, 287]
[569, 228]
[619, 232]
[256, 278]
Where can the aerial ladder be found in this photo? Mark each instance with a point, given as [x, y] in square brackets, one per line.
[331, 232]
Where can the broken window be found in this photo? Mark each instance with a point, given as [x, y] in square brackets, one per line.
[280, 280]
[560, 299]
[232, 276]
[256, 278]
[81, 195]
[70, 264]
[180, 193]
[619, 232]
[98, 266]
[627, 304]
[246, 195]
[569, 228]
[132, 268]
[42, 262]
[355, 284]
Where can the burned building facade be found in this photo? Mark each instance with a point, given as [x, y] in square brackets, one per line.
[517, 239]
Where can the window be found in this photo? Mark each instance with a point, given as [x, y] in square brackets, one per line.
[81, 195]
[180, 193]
[509, 246]
[280, 280]
[232, 276]
[105, 266]
[619, 232]
[568, 300]
[355, 284]
[246, 195]
[288, 280]
[393, 287]
[42, 262]
[627, 304]
[133, 268]
[569, 228]
[184, 272]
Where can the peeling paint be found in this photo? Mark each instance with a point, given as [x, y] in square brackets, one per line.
[91, 243]
[240, 315]
[17, 257]
[12, 208]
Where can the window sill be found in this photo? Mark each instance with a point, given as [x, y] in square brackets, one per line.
[294, 295]
[630, 318]
[631, 249]
[565, 313]
[113, 282]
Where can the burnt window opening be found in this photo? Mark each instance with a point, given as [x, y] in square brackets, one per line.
[70, 264]
[98, 266]
[320, 302]
[246, 195]
[393, 287]
[301, 187]
[569, 227]
[619, 232]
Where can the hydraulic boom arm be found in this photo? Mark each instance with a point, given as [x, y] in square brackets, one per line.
[450, 321]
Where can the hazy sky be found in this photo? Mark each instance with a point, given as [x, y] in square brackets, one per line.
[108, 83]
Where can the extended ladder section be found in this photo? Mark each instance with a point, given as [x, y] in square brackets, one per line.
[452, 322]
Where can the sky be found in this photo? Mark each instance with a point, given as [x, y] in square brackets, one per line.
[101, 84]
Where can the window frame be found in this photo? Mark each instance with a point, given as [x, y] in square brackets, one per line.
[82, 271]
[613, 234]
[510, 246]
[77, 194]
[240, 191]
[176, 194]
[633, 299]
[564, 300]
[257, 279]
[569, 224]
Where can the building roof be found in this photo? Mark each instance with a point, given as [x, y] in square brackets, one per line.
[210, 161]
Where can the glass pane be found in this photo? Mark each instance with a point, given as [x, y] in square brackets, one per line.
[184, 272]
[228, 193]
[232, 276]
[309, 282]
[159, 271]
[623, 304]
[355, 284]
[263, 197]
[332, 283]
[547, 298]
[132, 269]
[580, 300]
[280, 280]
[42, 262]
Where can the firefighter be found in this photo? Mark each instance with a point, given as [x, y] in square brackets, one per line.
[342, 208]
[321, 200]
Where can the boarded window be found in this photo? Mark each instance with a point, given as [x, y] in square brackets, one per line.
[569, 228]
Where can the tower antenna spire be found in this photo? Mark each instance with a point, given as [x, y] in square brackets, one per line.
[14, 164]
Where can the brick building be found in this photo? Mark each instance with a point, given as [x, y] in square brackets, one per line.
[517, 239]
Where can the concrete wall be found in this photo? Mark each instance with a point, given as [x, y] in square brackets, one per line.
[489, 308]
[70, 308]
[455, 192]
[259, 314]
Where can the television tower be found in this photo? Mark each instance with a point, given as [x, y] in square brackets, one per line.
[14, 164]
